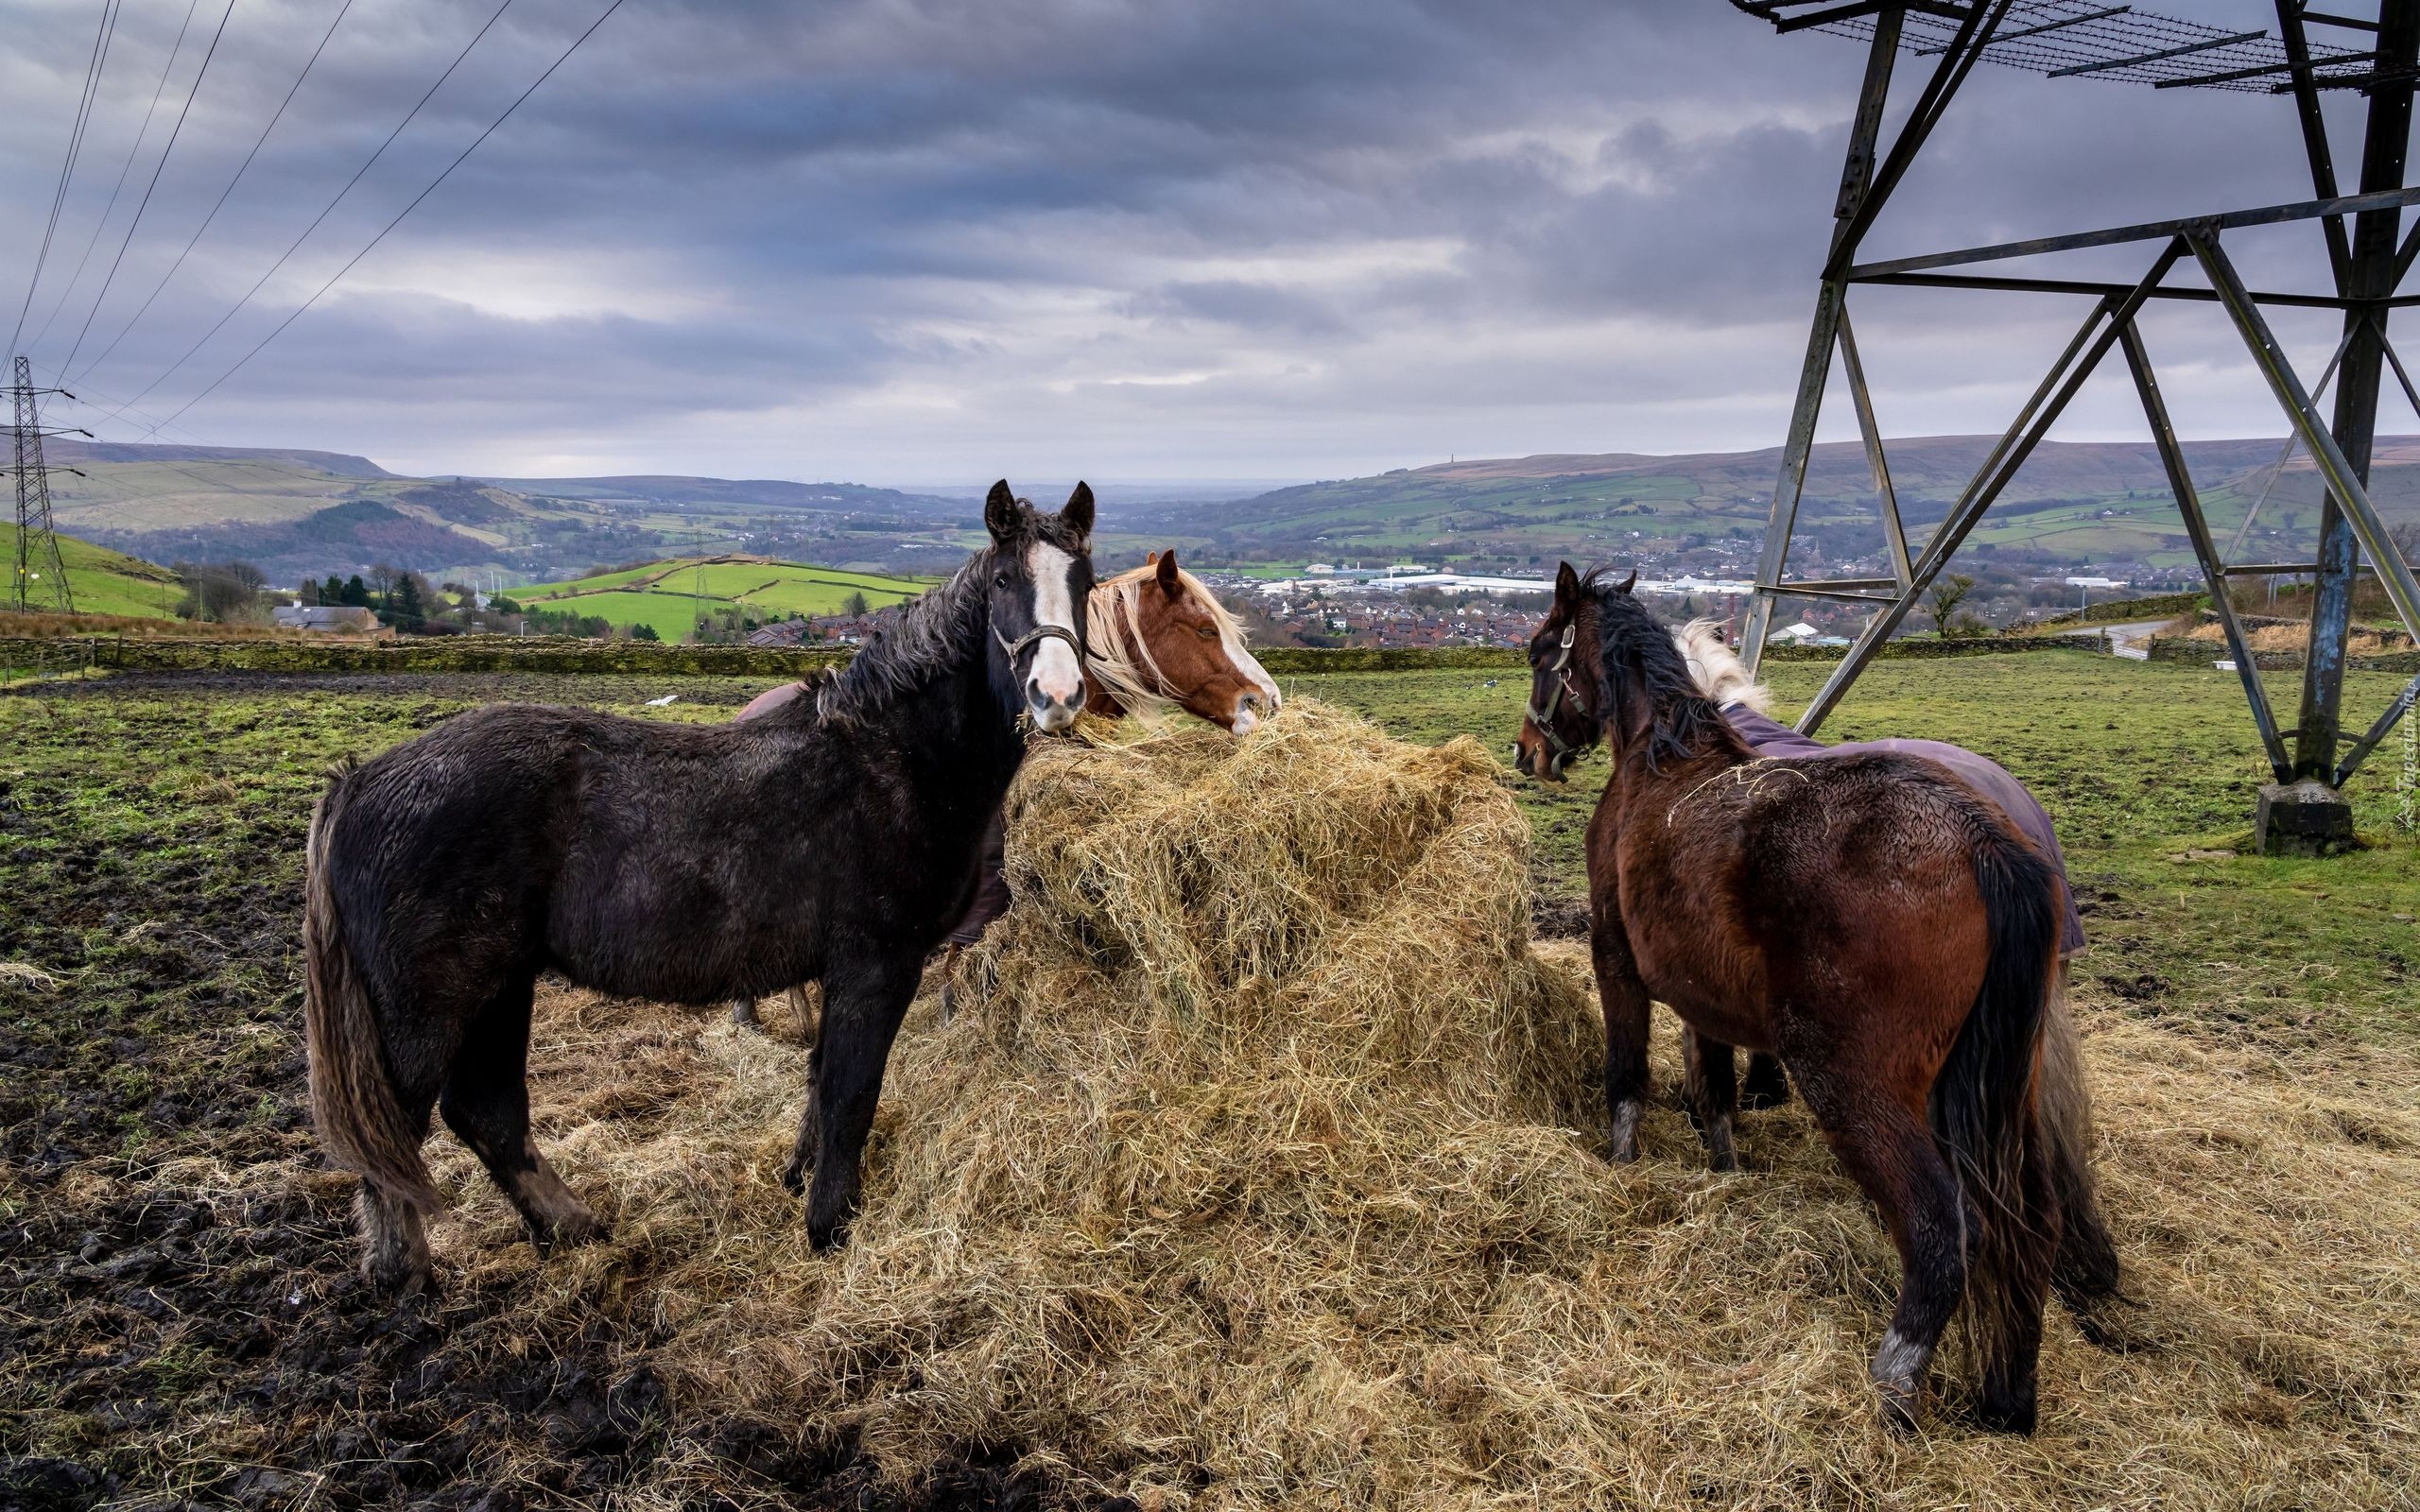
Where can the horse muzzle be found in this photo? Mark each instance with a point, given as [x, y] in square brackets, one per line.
[1053, 710]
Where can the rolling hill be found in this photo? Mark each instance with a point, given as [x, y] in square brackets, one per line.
[669, 596]
[301, 514]
[105, 581]
[2073, 503]
[304, 514]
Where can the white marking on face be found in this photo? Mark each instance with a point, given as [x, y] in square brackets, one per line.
[1055, 672]
[1232, 642]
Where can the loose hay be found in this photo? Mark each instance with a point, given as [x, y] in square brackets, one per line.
[1262, 1168]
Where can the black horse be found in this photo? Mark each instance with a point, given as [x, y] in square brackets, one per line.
[835, 840]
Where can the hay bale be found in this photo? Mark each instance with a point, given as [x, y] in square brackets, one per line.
[1263, 1169]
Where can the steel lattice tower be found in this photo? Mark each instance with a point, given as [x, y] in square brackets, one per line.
[2368, 252]
[38, 579]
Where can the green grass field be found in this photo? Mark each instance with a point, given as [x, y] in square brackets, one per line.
[105, 581]
[669, 595]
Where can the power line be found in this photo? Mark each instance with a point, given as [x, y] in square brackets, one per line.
[328, 208]
[278, 116]
[458, 161]
[157, 169]
[75, 144]
[132, 151]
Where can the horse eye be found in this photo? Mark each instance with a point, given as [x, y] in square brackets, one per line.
[1208, 633]
[1000, 579]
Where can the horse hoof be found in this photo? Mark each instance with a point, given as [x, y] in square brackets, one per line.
[743, 1013]
[825, 1236]
[2012, 1413]
[794, 1179]
[1722, 1163]
[1899, 1403]
[569, 1232]
[400, 1281]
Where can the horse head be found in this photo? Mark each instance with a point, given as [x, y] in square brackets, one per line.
[1166, 639]
[1564, 657]
[1041, 584]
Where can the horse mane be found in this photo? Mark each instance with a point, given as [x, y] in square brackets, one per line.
[1718, 670]
[1683, 721]
[932, 630]
[1127, 671]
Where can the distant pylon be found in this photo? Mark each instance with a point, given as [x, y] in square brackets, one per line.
[38, 579]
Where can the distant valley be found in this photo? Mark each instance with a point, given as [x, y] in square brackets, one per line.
[306, 513]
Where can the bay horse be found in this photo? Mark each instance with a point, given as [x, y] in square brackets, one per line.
[2086, 1274]
[1891, 936]
[835, 839]
[1157, 640]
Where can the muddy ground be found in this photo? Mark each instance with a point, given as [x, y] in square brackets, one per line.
[179, 1317]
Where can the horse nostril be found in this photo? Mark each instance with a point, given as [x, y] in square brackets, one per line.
[1250, 700]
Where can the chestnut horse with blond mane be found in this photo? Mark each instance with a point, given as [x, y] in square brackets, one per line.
[1868, 918]
[1157, 640]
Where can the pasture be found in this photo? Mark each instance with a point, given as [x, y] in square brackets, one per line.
[1422, 1287]
[106, 582]
[670, 596]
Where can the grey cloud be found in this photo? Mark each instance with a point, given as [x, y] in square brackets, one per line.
[898, 240]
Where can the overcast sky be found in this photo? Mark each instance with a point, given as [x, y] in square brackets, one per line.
[903, 243]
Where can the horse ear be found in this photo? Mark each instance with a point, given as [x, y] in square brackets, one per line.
[1150, 557]
[1166, 561]
[1079, 513]
[1627, 582]
[1000, 512]
[1567, 584]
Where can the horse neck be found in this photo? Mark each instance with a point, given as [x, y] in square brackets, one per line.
[1634, 780]
[951, 737]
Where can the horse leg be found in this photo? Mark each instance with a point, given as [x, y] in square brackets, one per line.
[861, 1014]
[804, 1148]
[1889, 1150]
[743, 1013]
[486, 1102]
[950, 953]
[1712, 1091]
[1768, 1085]
[809, 1012]
[1623, 997]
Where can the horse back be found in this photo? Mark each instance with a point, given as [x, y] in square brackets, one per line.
[1862, 884]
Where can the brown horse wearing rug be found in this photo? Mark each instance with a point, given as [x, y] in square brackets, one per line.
[2087, 1274]
[1886, 933]
[1158, 640]
[835, 840]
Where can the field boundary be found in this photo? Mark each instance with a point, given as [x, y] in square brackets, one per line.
[562, 654]
[2187, 651]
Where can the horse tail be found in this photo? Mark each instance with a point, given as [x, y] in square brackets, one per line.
[361, 1122]
[1983, 1108]
[2086, 1272]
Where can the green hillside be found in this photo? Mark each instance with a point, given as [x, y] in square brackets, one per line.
[669, 596]
[105, 581]
[2072, 502]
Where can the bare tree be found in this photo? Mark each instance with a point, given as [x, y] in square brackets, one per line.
[1945, 598]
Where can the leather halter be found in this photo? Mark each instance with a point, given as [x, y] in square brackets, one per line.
[1040, 632]
[1559, 751]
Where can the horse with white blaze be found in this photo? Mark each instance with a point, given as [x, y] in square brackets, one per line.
[837, 840]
